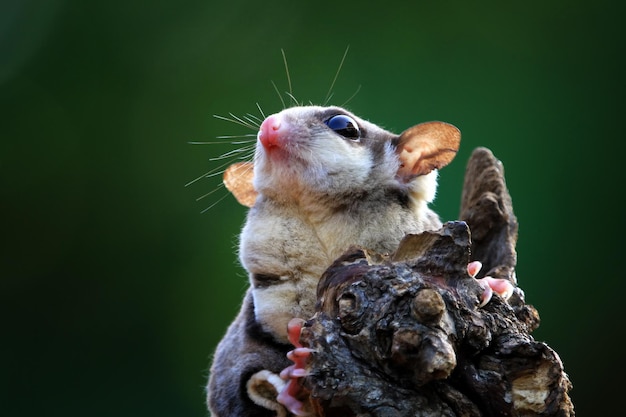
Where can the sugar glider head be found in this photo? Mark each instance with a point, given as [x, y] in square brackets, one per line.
[329, 151]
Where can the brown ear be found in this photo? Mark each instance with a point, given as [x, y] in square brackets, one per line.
[427, 146]
[238, 180]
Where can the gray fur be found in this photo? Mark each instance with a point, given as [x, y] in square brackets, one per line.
[243, 351]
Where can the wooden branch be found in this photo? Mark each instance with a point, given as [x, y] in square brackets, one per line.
[404, 335]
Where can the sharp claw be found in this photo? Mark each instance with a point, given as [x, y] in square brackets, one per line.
[473, 268]
[487, 293]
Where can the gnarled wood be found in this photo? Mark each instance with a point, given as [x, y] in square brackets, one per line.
[405, 336]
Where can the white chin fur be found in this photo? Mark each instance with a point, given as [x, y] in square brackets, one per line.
[424, 187]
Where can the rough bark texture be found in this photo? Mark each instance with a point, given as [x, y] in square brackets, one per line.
[404, 335]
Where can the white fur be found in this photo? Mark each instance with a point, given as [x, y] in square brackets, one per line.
[295, 230]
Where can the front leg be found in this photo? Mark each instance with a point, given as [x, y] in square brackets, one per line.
[293, 396]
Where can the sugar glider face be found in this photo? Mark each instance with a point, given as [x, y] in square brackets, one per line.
[321, 149]
[329, 154]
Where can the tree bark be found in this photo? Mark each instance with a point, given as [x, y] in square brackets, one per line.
[404, 335]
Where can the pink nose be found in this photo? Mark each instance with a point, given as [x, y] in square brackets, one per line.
[269, 133]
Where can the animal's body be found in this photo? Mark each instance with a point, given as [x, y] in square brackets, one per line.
[324, 180]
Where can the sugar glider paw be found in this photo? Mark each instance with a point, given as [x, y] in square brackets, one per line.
[502, 287]
[293, 395]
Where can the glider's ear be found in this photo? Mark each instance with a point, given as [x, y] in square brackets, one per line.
[238, 180]
[425, 147]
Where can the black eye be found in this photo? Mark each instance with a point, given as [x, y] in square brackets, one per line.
[345, 126]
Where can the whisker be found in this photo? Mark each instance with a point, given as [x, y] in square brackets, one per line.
[215, 171]
[243, 121]
[214, 204]
[210, 192]
[287, 71]
[352, 96]
[236, 120]
[261, 111]
[248, 157]
[254, 118]
[217, 188]
[245, 135]
[295, 102]
[226, 155]
[229, 154]
[205, 175]
[280, 96]
[332, 85]
[249, 118]
[225, 142]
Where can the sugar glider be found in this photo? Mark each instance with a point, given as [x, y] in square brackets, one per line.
[322, 180]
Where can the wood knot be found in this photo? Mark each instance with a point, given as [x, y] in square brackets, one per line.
[428, 306]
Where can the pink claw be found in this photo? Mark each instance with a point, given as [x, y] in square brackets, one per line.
[473, 268]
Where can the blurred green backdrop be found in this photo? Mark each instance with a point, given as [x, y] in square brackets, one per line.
[115, 288]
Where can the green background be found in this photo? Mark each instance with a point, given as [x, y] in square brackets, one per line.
[115, 288]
